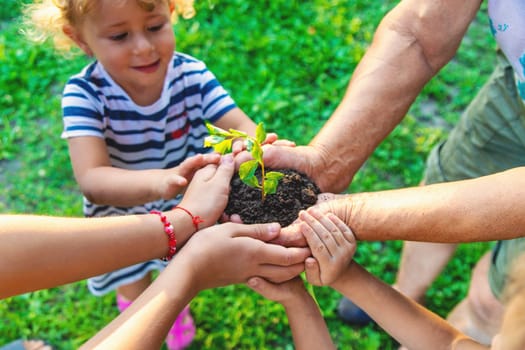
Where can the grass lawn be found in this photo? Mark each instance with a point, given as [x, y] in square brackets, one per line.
[286, 63]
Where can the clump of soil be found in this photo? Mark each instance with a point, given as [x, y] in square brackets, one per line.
[295, 192]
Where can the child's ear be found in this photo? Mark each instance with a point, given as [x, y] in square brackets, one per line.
[74, 35]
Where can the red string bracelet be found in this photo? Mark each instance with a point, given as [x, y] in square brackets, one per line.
[196, 220]
[168, 228]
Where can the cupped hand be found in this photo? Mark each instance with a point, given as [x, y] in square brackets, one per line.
[332, 244]
[305, 159]
[232, 253]
[177, 178]
[207, 193]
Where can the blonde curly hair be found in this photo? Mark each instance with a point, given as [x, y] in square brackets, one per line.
[45, 19]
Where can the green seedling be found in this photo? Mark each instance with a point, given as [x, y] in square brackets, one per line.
[222, 140]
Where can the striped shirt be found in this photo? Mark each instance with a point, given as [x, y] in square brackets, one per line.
[158, 136]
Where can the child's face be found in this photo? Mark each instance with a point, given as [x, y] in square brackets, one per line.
[134, 45]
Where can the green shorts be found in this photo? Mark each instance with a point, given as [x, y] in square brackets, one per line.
[489, 138]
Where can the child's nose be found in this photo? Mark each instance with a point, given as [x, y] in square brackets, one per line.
[142, 45]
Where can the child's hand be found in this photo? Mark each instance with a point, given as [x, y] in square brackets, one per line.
[207, 194]
[178, 178]
[332, 244]
[283, 293]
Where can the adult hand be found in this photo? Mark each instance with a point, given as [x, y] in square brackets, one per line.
[207, 194]
[339, 205]
[308, 160]
[232, 253]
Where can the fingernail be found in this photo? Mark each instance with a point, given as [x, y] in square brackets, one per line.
[252, 282]
[274, 227]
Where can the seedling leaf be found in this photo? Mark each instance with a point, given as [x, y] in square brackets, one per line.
[260, 133]
[270, 186]
[274, 175]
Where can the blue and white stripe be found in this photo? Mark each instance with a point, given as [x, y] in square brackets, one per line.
[158, 136]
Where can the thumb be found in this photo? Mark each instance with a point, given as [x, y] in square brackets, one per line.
[226, 167]
[177, 180]
[263, 232]
[312, 270]
[263, 287]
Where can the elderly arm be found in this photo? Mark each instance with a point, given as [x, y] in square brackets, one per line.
[412, 43]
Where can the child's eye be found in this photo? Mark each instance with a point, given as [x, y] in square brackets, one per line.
[156, 28]
[119, 37]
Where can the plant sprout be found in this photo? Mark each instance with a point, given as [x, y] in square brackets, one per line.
[222, 140]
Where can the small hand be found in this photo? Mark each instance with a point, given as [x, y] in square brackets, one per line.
[207, 193]
[280, 292]
[332, 244]
[177, 178]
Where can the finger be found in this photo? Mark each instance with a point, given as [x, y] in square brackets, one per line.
[189, 165]
[280, 274]
[263, 287]
[273, 254]
[346, 231]
[291, 236]
[238, 146]
[262, 232]
[271, 137]
[313, 271]
[177, 180]
[328, 231]
[226, 167]
[317, 246]
[284, 143]
[235, 218]
[205, 173]
[318, 226]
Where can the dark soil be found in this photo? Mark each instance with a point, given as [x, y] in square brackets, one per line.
[295, 192]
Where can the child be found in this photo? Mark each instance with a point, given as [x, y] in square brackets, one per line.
[332, 245]
[134, 118]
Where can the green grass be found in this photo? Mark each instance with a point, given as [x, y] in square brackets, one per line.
[286, 63]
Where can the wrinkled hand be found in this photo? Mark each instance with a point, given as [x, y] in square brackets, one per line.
[332, 244]
[207, 193]
[338, 204]
[305, 159]
[177, 178]
[232, 253]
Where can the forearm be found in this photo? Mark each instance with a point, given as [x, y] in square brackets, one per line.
[121, 187]
[410, 46]
[307, 324]
[42, 252]
[482, 209]
[408, 322]
[146, 322]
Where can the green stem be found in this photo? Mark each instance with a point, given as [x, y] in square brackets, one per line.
[263, 174]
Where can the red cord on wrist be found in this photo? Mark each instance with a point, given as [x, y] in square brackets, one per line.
[196, 220]
[168, 228]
